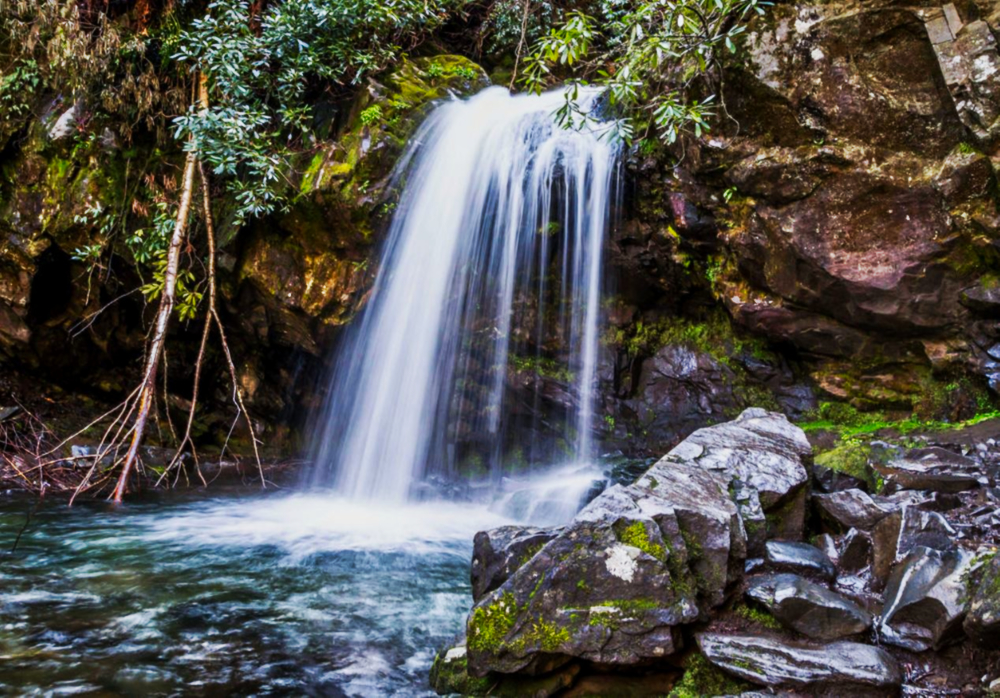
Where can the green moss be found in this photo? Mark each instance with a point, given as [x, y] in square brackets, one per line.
[636, 535]
[848, 421]
[702, 679]
[546, 636]
[849, 458]
[452, 676]
[530, 553]
[693, 546]
[489, 625]
[633, 605]
[755, 615]
[542, 366]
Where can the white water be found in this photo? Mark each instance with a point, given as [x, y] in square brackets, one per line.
[494, 197]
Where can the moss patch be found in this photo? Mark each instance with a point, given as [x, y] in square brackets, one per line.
[756, 615]
[702, 679]
[489, 625]
[636, 535]
[849, 458]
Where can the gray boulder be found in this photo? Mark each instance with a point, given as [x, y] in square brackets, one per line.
[807, 607]
[614, 584]
[902, 531]
[848, 509]
[926, 599]
[801, 558]
[844, 666]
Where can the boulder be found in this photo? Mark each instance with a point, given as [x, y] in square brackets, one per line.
[614, 584]
[935, 468]
[808, 608]
[905, 529]
[800, 558]
[848, 509]
[497, 553]
[983, 620]
[846, 667]
[926, 599]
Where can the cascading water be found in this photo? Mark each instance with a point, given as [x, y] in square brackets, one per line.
[494, 257]
[497, 239]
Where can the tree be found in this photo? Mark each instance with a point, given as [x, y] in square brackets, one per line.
[649, 58]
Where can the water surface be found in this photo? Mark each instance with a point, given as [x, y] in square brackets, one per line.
[264, 594]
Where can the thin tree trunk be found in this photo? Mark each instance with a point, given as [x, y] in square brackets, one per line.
[148, 385]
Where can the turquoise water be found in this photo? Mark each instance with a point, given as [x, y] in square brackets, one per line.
[245, 594]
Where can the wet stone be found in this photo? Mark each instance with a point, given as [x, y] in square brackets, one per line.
[807, 607]
[848, 509]
[496, 554]
[801, 558]
[845, 666]
[935, 469]
[983, 620]
[926, 599]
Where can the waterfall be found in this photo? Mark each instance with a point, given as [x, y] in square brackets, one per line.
[502, 214]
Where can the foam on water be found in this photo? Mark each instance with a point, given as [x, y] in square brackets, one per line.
[498, 205]
[314, 523]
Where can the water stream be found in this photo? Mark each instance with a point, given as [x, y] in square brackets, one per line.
[348, 589]
[502, 214]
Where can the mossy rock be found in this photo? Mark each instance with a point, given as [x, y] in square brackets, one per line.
[702, 679]
[381, 123]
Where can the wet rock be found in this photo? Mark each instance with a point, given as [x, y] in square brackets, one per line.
[449, 675]
[828, 546]
[856, 551]
[926, 599]
[934, 468]
[848, 509]
[923, 528]
[885, 539]
[680, 389]
[614, 584]
[983, 621]
[808, 608]
[752, 515]
[498, 552]
[845, 666]
[904, 530]
[800, 558]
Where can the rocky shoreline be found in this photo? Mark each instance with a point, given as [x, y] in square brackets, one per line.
[736, 564]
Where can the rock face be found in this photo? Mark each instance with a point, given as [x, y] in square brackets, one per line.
[807, 607]
[615, 585]
[286, 283]
[842, 666]
[851, 214]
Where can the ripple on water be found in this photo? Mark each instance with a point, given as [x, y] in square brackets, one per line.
[250, 595]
